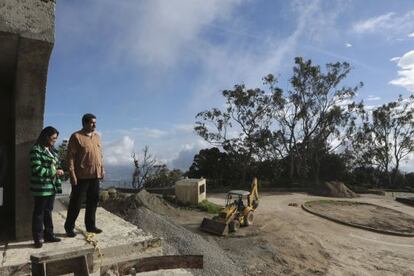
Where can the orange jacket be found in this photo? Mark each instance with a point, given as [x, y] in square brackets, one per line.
[84, 156]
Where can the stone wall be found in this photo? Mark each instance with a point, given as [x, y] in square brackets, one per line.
[26, 42]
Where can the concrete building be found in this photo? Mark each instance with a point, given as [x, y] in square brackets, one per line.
[191, 190]
[26, 42]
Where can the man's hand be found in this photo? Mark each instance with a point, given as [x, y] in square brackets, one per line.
[73, 181]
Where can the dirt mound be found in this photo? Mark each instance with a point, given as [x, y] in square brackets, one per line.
[153, 202]
[123, 203]
[334, 189]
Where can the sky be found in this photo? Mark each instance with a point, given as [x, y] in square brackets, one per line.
[146, 68]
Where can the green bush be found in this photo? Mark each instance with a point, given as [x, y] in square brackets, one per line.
[103, 196]
[205, 205]
[208, 206]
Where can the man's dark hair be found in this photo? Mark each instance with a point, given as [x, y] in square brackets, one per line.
[45, 135]
[87, 118]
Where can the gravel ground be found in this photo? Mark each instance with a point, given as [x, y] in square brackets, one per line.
[180, 241]
[177, 239]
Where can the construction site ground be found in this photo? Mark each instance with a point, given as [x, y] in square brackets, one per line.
[284, 240]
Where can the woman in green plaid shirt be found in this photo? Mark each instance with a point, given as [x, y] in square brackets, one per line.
[45, 183]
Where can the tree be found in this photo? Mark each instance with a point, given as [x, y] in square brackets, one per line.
[149, 173]
[298, 125]
[163, 177]
[249, 113]
[212, 164]
[316, 113]
[143, 171]
[61, 151]
[386, 137]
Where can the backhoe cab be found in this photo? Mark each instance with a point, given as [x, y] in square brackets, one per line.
[238, 211]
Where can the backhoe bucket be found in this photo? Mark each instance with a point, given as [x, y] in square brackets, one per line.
[214, 227]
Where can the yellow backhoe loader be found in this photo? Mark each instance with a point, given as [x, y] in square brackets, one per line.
[238, 211]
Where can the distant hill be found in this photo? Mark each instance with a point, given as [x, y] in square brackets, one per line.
[119, 176]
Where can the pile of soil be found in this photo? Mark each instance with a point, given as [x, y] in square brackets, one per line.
[153, 202]
[334, 189]
[122, 203]
[152, 214]
[364, 215]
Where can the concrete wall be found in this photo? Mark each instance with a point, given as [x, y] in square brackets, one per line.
[26, 42]
[190, 190]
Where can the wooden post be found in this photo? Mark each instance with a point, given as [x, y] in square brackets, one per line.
[73, 260]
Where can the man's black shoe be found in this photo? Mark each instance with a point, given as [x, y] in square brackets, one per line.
[70, 233]
[94, 230]
[52, 239]
[38, 244]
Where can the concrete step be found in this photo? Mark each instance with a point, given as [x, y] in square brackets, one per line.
[119, 240]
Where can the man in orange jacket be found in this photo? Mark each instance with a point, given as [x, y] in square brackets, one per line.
[85, 164]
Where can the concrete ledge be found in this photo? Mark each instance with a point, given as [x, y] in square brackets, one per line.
[120, 240]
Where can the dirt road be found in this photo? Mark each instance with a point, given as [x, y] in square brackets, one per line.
[287, 240]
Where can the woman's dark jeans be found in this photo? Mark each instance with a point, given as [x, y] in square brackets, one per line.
[42, 216]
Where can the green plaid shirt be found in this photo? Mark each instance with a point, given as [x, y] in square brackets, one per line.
[44, 181]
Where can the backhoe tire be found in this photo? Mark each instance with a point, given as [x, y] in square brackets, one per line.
[248, 219]
[234, 226]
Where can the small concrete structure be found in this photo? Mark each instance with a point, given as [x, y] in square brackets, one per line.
[191, 190]
[26, 42]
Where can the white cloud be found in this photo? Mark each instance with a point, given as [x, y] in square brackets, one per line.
[391, 24]
[185, 157]
[353, 61]
[143, 132]
[348, 45]
[233, 63]
[153, 34]
[406, 72]
[409, 103]
[184, 127]
[345, 102]
[160, 33]
[407, 60]
[411, 35]
[373, 98]
[153, 133]
[119, 152]
[174, 146]
[374, 23]
[395, 59]
[407, 164]
[370, 108]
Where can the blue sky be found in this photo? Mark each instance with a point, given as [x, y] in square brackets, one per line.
[146, 68]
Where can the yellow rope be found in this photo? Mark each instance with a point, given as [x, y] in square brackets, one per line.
[89, 238]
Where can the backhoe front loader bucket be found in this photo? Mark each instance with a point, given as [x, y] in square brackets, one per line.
[214, 227]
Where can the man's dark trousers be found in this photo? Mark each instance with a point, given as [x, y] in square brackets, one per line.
[42, 215]
[90, 187]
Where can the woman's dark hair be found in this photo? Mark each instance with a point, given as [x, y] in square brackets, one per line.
[45, 135]
[87, 117]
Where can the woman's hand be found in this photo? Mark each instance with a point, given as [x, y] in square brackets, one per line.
[60, 172]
